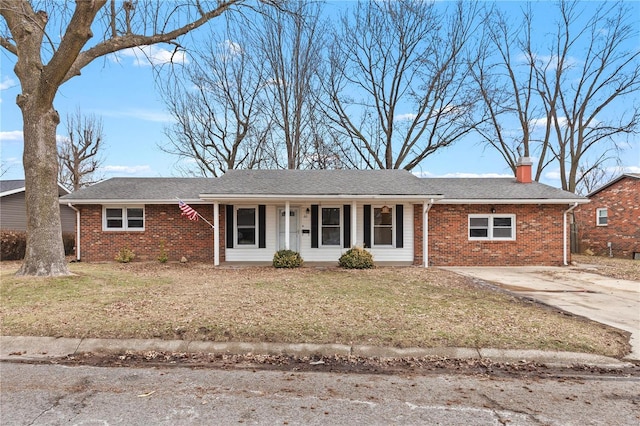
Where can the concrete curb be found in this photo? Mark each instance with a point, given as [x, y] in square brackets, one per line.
[27, 348]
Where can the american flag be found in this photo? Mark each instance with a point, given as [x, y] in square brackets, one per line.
[188, 211]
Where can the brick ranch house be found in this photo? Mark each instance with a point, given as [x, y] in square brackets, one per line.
[322, 213]
[610, 223]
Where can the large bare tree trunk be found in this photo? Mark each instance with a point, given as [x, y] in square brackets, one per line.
[45, 250]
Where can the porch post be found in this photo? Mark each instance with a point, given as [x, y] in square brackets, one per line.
[425, 234]
[216, 233]
[354, 224]
[286, 225]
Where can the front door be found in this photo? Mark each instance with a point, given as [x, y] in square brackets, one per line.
[293, 229]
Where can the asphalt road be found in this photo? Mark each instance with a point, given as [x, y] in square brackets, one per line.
[55, 395]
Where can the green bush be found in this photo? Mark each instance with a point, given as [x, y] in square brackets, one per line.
[13, 245]
[356, 258]
[287, 259]
[125, 255]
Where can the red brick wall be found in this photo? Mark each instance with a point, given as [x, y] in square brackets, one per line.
[538, 236]
[182, 237]
[622, 200]
[418, 255]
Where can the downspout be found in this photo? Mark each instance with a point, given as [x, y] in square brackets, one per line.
[77, 231]
[564, 234]
[425, 231]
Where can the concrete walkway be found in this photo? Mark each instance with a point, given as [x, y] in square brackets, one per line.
[573, 289]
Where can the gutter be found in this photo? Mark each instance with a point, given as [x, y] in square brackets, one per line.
[77, 230]
[564, 234]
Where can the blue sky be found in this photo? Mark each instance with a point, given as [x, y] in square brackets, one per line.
[122, 93]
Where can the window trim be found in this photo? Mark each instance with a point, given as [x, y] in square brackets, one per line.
[373, 226]
[125, 220]
[598, 217]
[490, 225]
[256, 227]
[339, 226]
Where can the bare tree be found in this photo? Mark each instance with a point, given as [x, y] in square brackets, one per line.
[46, 58]
[218, 107]
[399, 82]
[564, 93]
[79, 152]
[291, 43]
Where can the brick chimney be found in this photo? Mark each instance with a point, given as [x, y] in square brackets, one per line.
[523, 170]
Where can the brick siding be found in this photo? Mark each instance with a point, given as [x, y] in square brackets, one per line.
[181, 236]
[539, 236]
[622, 200]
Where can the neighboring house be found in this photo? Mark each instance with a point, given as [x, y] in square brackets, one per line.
[13, 213]
[610, 224]
[322, 213]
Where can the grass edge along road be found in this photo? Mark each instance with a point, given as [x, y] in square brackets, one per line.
[398, 307]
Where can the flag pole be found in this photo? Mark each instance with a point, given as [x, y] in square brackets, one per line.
[199, 215]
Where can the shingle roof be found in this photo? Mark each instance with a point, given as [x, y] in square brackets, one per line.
[611, 182]
[496, 189]
[319, 182]
[142, 189]
[316, 183]
[11, 185]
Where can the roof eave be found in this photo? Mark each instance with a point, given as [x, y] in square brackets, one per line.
[130, 201]
[252, 197]
[514, 201]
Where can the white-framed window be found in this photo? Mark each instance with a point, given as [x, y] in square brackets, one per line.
[602, 217]
[330, 222]
[123, 218]
[246, 227]
[492, 227]
[383, 226]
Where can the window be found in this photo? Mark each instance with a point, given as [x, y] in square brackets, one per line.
[602, 217]
[492, 227]
[382, 226]
[123, 219]
[246, 226]
[330, 226]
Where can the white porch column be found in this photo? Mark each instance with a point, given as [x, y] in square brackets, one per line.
[216, 233]
[426, 206]
[354, 224]
[287, 221]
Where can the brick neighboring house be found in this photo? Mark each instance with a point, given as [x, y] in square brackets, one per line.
[322, 213]
[612, 217]
[13, 211]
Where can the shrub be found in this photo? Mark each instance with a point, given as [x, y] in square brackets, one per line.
[125, 255]
[163, 257]
[356, 258]
[13, 245]
[287, 259]
[69, 241]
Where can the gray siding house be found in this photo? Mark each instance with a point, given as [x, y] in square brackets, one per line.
[13, 209]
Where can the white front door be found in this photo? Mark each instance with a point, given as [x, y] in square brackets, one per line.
[293, 229]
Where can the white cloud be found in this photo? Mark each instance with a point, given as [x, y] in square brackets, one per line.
[153, 55]
[632, 169]
[7, 83]
[552, 175]
[542, 122]
[11, 136]
[232, 48]
[140, 114]
[127, 170]
[405, 117]
[463, 175]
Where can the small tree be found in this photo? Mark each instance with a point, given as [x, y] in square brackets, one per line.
[79, 153]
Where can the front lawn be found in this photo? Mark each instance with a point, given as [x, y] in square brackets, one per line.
[401, 307]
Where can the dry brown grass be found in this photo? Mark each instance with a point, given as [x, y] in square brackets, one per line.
[402, 307]
[623, 269]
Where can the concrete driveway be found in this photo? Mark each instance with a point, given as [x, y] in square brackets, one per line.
[573, 289]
